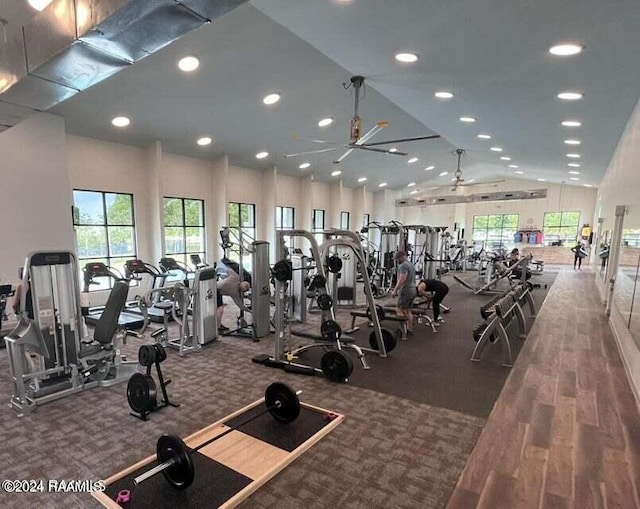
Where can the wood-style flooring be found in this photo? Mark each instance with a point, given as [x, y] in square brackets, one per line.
[565, 431]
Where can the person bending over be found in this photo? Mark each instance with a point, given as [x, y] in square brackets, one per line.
[439, 289]
[234, 288]
[405, 288]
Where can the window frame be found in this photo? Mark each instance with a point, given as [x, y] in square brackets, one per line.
[185, 254]
[280, 214]
[345, 214]
[554, 237]
[505, 240]
[108, 259]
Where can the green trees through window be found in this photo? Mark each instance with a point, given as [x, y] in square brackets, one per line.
[560, 227]
[105, 229]
[184, 228]
[495, 230]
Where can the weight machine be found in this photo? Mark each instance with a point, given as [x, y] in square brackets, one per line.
[260, 307]
[48, 357]
[6, 291]
[496, 271]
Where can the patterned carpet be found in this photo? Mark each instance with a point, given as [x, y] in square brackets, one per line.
[390, 451]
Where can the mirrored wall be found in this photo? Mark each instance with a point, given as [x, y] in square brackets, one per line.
[627, 290]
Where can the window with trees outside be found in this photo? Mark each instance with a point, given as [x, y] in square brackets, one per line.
[344, 220]
[184, 228]
[495, 231]
[105, 231]
[560, 227]
[242, 217]
[317, 224]
[366, 220]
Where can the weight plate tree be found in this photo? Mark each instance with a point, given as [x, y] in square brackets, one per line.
[174, 456]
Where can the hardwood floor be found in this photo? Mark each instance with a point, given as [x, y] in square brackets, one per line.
[565, 431]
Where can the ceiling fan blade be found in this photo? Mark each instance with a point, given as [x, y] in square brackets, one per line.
[341, 158]
[371, 132]
[383, 151]
[402, 140]
[319, 141]
[483, 183]
[311, 152]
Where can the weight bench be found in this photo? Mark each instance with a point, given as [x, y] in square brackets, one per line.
[365, 314]
[538, 264]
[341, 342]
[419, 312]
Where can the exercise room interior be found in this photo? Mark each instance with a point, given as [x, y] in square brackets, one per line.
[319, 253]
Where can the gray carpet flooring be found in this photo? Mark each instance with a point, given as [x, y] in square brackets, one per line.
[391, 451]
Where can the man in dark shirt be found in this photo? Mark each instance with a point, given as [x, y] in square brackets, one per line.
[439, 289]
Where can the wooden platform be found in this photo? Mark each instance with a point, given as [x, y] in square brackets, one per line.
[228, 470]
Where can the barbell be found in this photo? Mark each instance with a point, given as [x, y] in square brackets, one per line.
[174, 456]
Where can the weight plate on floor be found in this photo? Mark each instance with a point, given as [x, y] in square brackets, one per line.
[141, 393]
[336, 365]
[161, 353]
[324, 301]
[379, 311]
[146, 355]
[388, 338]
[180, 475]
[330, 330]
[282, 402]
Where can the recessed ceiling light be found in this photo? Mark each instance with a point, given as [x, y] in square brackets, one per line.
[204, 141]
[362, 179]
[587, 185]
[570, 96]
[496, 149]
[433, 188]
[382, 184]
[541, 180]
[39, 5]
[325, 122]
[574, 165]
[574, 156]
[271, 99]
[262, 155]
[519, 172]
[121, 121]
[571, 123]
[574, 172]
[572, 142]
[411, 184]
[514, 166]
[469, 120]
[442, 174]
[393, 149]
[505, 158]
[336, 173]
[429, 168]
[414, 191]
[413, 160]
[406, 57]
[304, 166]
[484, 136]
[574, 178]
[188, 63]
[443, 94]
[565, 49]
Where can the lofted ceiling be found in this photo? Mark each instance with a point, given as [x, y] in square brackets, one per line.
[493, 55]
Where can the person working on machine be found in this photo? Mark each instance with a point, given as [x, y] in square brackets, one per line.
[405, 288]
[439, 289]
[234, 288]
[514, 257]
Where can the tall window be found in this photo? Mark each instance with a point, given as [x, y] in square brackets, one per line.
[184, 228]
[242, 217]
[317, 224]
[105, 230]
[560, 227]
[344, 220]
[366, 220]
[495, 230]
[285, 218]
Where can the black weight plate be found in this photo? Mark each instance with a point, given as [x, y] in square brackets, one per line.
[180, 475]
[146, 355]
[141, 393]
[317, 282]
[334, 264]
[330, 330]
[161, 353]
[379, 311]
[336, 365]
[388, 338]
[324, 301]
[283, 270]
[282, 402]
[374, 290]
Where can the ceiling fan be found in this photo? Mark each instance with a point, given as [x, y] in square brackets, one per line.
[357, 140]
[458, 181]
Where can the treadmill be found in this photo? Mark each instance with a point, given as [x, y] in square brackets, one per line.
[93, 270]
[136, 269]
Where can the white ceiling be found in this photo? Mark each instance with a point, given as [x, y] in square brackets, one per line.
[492, 54]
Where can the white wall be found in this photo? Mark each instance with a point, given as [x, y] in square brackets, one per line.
[34, 192]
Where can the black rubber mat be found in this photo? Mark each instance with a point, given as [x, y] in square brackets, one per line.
[213, 485]
[285, 436]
